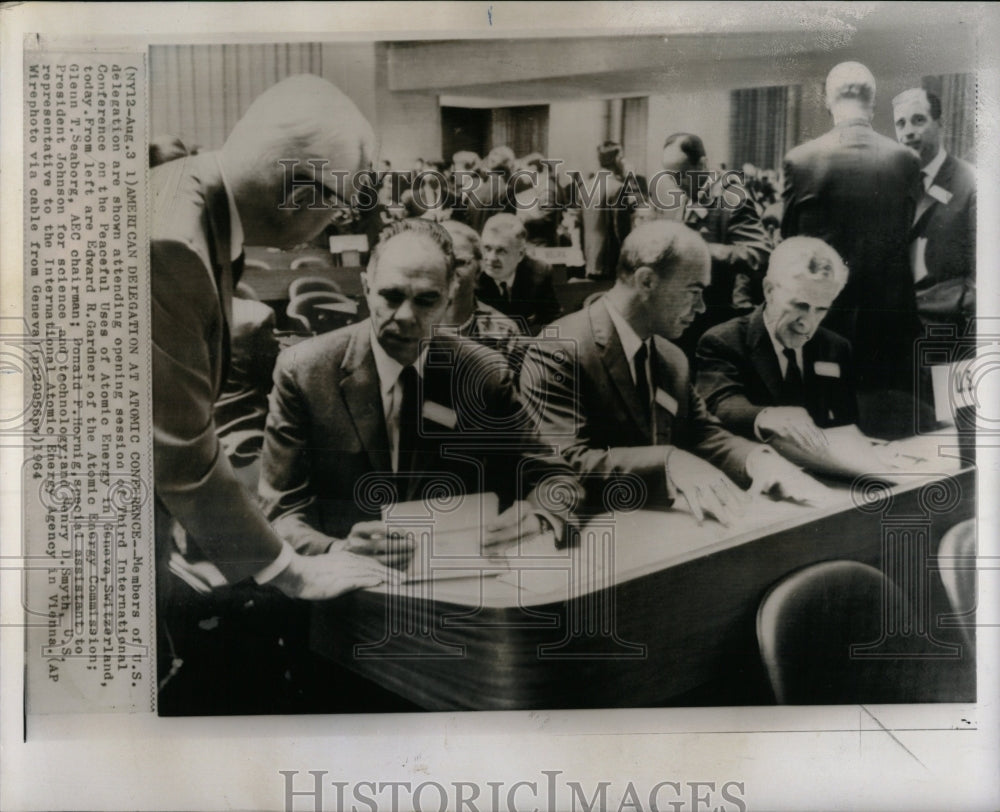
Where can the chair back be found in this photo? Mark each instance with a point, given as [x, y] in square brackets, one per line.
[323, 310]
[308, 284]
[815, 628]
[957, 565]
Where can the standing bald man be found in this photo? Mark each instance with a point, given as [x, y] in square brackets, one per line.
[210, 533]
[857, 191]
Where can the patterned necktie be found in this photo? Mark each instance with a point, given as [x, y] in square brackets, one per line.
[794, 391]
[505, 292]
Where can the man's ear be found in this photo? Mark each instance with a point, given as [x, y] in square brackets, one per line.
[522, 249]
[646, 280]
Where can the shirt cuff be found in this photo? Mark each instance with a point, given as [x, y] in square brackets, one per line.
[756, 426]
[276, 567]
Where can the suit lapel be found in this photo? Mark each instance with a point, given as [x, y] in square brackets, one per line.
[666, 379]
[616, 364]
[360, 387]
[926, 204]
[762, 355]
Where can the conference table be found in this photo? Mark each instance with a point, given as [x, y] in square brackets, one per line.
[651, 608]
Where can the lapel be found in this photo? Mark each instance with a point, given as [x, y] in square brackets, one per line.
[360, 387]
[762, 355]
[927, 204]
[615, 364]
[668, 379]
[487, 289]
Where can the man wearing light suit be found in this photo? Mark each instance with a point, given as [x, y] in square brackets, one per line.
[614, 393]
[776, 371]
[943, 245]
[212, 540]
[381, 411]
[857, 191]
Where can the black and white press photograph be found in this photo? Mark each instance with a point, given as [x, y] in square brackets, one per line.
[570, 372]
[499, 406]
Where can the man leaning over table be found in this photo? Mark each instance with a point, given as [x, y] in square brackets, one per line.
[386, 408]
[776, 371]
[614, 393]
[214, 545]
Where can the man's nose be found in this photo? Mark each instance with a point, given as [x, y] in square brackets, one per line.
[404, 313]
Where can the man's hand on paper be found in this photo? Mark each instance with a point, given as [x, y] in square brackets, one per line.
[374, 538]
[791, 423]
[517, 523]
[318, 577]
[774, 475]
[705, 488]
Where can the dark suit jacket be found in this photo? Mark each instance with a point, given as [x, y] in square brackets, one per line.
[857, 191]
[532, 295]
[947, 295]
[327, 460]
[192, 286]
[582, 388]
[742, 243]
[739, 375]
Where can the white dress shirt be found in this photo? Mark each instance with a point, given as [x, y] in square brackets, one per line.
[392, 393]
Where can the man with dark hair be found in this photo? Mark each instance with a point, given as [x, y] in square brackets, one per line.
[722, 211]
[385, 410]
[614, 392]
[943, 244]
[857, 191]
[514, 283]
[776, 371]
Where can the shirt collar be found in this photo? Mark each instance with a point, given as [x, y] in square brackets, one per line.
[509, 279]
[388, 368]
[779, 348]
[626, 334]
[930, 171]
[235, 226]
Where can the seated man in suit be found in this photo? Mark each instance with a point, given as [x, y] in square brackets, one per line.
[378, 411]
[615, 395]
[473, 318]
[514, 283]
[943, 237]
[776, 371]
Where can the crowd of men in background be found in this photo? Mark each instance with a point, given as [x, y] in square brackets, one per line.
[704, 346]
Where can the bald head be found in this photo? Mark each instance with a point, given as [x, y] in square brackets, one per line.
[298, 142]
[850, 86]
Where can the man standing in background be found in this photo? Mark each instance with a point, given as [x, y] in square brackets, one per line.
[857, 191]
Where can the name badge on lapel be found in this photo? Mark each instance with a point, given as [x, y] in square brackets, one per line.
[439, 414]
[940, 195]
[828, 369]
[666, 400]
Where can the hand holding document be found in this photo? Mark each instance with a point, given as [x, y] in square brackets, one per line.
[457, 541]
[792, 424]
[847, 454]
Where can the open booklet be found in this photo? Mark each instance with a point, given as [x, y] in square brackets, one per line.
[849, 454]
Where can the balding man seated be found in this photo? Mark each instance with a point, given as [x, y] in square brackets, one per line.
[513, 282]
[776, 371]
[614, 393]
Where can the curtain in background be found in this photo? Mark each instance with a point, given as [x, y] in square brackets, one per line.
[633, 137]
[523, 129]
[957, 92]
[198, 92]
[763, 125]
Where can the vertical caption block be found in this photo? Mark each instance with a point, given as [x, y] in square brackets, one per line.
[87, 474]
